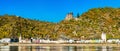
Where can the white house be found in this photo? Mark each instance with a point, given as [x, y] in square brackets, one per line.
[103, 36]
[5, 40]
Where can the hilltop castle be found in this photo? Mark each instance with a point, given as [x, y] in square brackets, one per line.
[70, 16]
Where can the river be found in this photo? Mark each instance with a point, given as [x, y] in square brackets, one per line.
[59, 48]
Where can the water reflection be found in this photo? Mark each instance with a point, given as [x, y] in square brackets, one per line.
[13, 48]
[58, 48]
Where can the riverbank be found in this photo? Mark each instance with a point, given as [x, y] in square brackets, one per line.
[18, 44]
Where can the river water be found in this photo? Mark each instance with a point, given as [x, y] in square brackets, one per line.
[59, 48]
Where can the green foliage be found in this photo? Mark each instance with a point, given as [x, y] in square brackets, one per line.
[89, 25]
[97, 20]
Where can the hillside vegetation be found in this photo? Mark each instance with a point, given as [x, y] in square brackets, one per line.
[89, 25]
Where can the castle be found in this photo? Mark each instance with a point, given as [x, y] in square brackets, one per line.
[70, 16]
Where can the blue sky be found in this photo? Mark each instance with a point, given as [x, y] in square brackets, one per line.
[51, 10]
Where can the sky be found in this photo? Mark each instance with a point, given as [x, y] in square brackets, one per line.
[51, 10]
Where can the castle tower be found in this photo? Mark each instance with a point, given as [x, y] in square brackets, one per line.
[69, 16]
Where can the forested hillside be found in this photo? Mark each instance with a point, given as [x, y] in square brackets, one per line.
[97, 20]
[89, 25]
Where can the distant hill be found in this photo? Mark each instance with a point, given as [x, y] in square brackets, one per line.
[89, 25]
[13, 26]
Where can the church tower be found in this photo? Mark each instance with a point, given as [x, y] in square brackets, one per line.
[103, 36]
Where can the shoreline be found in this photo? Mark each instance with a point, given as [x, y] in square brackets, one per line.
[19, 44]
